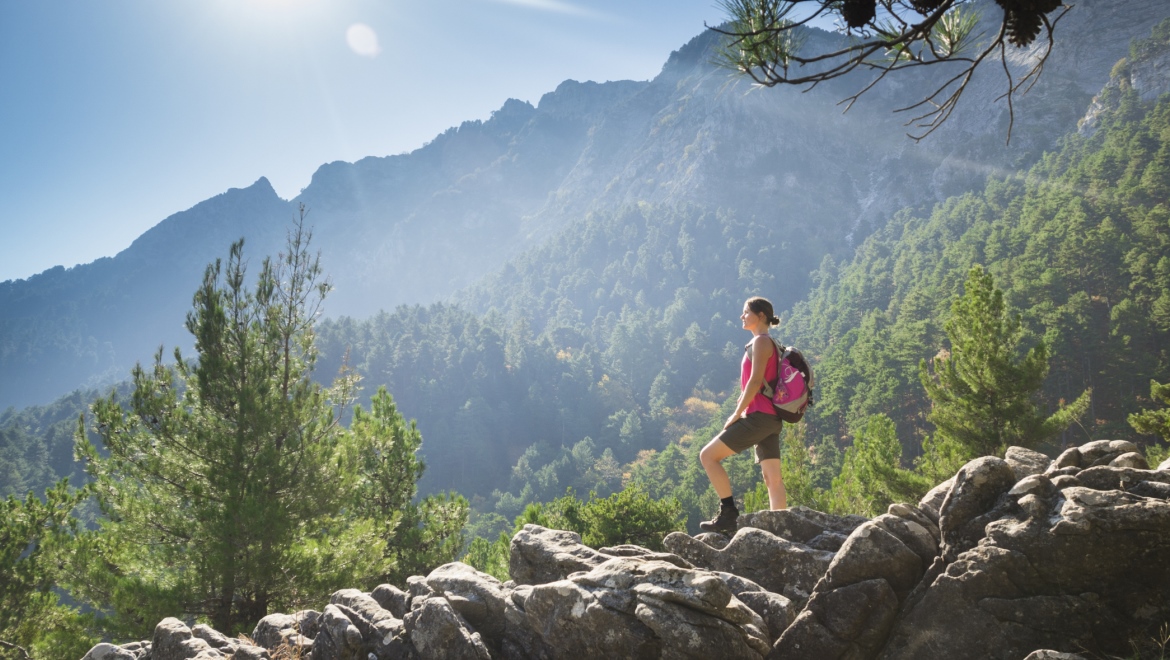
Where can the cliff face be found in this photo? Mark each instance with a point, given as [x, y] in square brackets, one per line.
[1011, 558]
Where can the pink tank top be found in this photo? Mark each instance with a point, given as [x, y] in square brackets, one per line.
[759, 403]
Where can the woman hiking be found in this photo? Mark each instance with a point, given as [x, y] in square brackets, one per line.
[754, 422]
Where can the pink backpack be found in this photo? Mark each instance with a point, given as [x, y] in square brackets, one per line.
[792, 391]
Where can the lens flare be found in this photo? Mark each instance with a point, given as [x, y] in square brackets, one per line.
[362, 40]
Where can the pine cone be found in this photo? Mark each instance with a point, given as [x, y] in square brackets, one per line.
[925, 6]
[858, 12]
[1022, 26]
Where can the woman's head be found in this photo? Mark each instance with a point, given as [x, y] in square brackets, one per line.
[759, 309]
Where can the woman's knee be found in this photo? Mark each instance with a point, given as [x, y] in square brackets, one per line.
[713, 453]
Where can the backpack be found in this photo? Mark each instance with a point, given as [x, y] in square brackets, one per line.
[790, 409]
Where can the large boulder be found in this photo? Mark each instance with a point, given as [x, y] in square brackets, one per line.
[853, 607]
[477, 597]
[971, 503]
[540, 555]
[1093, 572]
[778, 565]
[642, 609]
[437, 632]
[173, 640]
[803, 525]
[1025, 462]
[107, 651]
[295, 631]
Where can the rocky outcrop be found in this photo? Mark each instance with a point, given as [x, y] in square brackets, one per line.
[1011, 558]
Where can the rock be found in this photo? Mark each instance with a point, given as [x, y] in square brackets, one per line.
[648, 555]
[651, 609]
[540, 555]
[851, 621]
[417, 587]
[1105, 477]
[392, 599]
[776, 611]
[1064, 581]
[778, 565]
[477, 597]
[912, 535]
[872, 552]
[361, 605]
[173, 640]
[571, 621]
[932, 502]
[107, 651]
[1046, 654]
[249, 652]
[438, 632]
[214, 638]
[1122, 447]
[1164, 466]
[1063, 481]
[1130, 459]
[801, 524]
[1070, 457]
[1090, 452]
[1152, 489]
[713, 539]
[977, 489]
[913, 513]
[338, 638]
[1025, 462]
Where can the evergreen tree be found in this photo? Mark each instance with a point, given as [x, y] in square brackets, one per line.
[872, 477]
[416, 537]
[35, 538]
[983, 394]
[224, 480]
[1155, 422]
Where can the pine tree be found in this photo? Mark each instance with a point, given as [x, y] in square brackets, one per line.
[224, 480]
[983, 393]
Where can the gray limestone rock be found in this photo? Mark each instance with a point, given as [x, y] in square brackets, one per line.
[437, 632]
[800, 524]
[540, 555]
[107, 651]
[851, 621]
[1064, 581]
[173, 640]
[976, 491]
[1105, 477]
[780, 566]
[1130, 459]
[1069, 458]
[1024, 462]
[932, 502]
[631, 608]
[392, 599]
[872, 552]
[338, 637]
[478, 597]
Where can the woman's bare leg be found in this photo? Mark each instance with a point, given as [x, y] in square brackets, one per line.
[711, 457]
[774, 480]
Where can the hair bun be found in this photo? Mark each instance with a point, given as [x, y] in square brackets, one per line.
[774, 321]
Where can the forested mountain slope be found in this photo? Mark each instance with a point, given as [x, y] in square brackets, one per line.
[1080, 243]
[415, 228]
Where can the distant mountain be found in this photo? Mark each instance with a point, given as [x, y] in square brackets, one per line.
[417, 227]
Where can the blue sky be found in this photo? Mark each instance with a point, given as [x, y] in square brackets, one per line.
[117, 113]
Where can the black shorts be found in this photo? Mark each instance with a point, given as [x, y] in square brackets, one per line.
[758, 429]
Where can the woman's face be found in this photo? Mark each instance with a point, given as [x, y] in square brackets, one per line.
[752, 321]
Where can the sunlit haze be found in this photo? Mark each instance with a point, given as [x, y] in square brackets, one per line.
[116, 114]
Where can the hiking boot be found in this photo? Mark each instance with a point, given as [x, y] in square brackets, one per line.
[724, 523]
